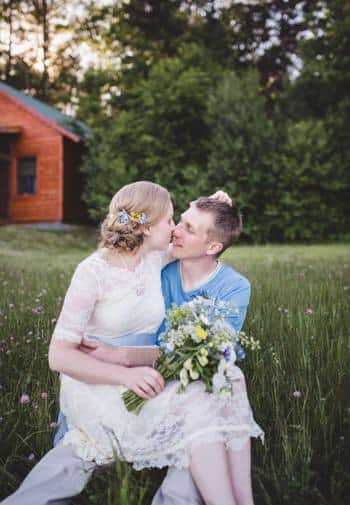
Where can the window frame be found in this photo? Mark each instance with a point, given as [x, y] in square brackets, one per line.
[18, 160]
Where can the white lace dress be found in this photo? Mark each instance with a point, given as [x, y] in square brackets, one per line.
[102, 301]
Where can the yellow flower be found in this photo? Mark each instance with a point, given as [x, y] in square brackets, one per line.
[201, 334]
[135, 215]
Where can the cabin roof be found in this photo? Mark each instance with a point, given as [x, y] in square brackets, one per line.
[67, 125]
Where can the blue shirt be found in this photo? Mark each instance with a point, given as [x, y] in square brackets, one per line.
[224, 284]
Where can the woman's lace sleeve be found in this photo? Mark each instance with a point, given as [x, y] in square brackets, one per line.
[78, 305]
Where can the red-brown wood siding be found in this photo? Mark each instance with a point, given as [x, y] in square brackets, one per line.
[39, 140]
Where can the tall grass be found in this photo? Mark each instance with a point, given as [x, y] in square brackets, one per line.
[298, 383]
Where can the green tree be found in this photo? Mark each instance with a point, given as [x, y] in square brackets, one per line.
[241, 149]
[161, 134]
[311, 186]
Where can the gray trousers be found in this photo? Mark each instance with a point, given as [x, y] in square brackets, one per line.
[61, 475]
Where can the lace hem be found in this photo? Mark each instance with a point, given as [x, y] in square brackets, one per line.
[233, 437]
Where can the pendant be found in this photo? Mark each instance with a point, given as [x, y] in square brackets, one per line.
[140, 290]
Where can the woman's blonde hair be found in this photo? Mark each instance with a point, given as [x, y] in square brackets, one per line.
[138, 197]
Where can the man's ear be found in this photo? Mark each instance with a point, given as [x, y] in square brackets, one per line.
[214, 248]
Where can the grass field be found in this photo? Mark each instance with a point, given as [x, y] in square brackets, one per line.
[298, 383]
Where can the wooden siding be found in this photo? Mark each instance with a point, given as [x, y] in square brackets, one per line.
[39, 140]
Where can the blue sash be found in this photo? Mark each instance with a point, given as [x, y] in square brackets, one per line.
[127, 340]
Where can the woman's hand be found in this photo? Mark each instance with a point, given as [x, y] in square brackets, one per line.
[144, 381]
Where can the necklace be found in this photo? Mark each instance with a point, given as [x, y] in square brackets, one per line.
[139, 285]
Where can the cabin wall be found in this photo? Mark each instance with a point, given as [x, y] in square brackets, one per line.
[39, 140]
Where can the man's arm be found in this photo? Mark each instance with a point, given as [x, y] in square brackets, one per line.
[239, 295]
[106, 352]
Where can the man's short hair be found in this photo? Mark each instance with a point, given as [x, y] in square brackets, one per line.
[227, 220]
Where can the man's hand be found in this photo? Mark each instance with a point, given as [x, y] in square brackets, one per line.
[105, 352]
[222, 197]
[144, 381]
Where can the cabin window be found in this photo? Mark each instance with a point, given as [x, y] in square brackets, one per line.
[26, 176]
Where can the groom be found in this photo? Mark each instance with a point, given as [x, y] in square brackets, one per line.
[206, 229]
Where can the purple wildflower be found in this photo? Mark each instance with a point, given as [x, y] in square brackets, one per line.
[24, 399]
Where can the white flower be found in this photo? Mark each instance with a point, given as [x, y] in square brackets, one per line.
[219, 381]
[204, 319]
[225, 392]
[184, 377]
[203, 360]
[169, 347]
[188, 364]
[194, 375]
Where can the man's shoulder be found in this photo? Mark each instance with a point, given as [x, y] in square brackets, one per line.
[233, 279]
[171, 269]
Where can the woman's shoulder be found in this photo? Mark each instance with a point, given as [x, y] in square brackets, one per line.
[93, 264]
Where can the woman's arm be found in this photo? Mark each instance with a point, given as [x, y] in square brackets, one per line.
[65, 355]
[67, 358]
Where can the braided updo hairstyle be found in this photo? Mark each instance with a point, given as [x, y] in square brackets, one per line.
[141, 196]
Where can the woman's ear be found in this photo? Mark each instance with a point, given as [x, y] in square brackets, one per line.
[214, 248]
[147, 231]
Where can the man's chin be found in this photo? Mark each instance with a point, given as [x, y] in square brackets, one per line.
[177, 252]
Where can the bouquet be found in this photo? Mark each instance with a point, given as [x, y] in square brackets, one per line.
[198, 344]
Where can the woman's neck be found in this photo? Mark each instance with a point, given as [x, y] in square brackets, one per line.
[124, 259]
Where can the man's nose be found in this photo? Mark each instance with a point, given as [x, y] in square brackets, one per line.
[177, 229]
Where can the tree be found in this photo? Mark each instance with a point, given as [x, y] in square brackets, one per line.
[241, 149]
[161, 134]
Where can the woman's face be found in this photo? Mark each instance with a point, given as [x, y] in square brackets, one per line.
[160, 233]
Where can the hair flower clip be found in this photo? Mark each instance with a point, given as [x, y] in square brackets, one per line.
[143, 218]
[123, 217]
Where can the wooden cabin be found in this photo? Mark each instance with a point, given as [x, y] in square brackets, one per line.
[40, 153]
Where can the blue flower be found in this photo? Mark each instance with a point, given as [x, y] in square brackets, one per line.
[227, 353]
[123, 217]
[240, 352]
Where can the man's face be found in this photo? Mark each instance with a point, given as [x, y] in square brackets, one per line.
[190, 237]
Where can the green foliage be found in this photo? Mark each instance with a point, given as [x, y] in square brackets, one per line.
[310, 186]
[161, 134]
[197, 95]
[241, 148]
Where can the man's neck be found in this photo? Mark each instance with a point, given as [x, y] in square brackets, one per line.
[195, 272]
